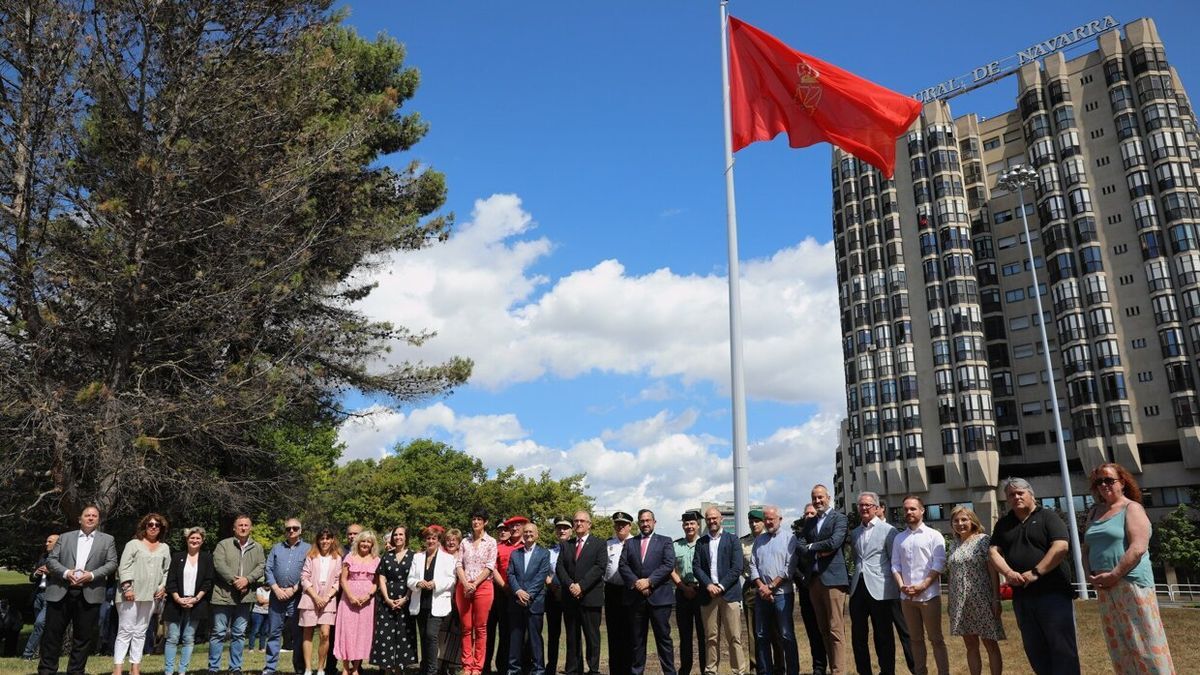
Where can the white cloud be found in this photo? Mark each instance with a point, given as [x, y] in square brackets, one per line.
[654, 463]
[479, 292]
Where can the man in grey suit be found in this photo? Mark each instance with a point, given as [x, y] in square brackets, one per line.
[873, 590]
[821, 553]
[78, 569]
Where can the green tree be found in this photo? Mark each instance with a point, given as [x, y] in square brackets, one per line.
[427, 482]
[1178, 539]
[188, 189]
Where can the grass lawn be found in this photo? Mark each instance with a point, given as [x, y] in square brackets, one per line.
[1182, 623]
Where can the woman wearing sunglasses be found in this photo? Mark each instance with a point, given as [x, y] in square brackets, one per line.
[142, 579]
[1118, 567]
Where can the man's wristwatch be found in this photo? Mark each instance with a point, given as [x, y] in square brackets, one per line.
[1035, 574]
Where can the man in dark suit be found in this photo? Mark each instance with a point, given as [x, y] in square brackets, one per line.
[581, 570]
[816, 643]
[718, 568]
[528, 568]
[646, 566]
[78, 569]
[820, 548]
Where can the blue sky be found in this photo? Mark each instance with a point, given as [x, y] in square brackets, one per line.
[582, 144]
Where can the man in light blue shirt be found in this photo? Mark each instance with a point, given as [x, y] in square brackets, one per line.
[284, 564]
[770, 562]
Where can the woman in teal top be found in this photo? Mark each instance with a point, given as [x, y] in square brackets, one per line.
[1118, 532]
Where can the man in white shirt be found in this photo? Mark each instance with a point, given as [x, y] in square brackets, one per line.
[616, 613]
[78, 569]
[873, 590]
[918, 560]
[554, 591]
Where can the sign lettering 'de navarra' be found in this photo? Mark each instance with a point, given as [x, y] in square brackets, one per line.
[1009, 64]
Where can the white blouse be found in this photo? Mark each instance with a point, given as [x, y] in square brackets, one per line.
[190, 569]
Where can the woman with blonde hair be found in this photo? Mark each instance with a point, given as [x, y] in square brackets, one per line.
[142, 579]
[189, 584]
[974, 592]
[356, 610]
[1118, 567]
[319, 581]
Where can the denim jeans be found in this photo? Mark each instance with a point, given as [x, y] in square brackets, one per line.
[283, 616]
[181, 631]
[256, 638]
[39, 622]
[1047, 624]
[776, 615]
[229, 622]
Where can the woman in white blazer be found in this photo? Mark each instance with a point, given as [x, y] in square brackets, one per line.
[431, 578]
[320, 580]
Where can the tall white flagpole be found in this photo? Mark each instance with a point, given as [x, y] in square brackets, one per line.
[741, 483]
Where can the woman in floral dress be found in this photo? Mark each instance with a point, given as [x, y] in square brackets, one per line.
[974, 592]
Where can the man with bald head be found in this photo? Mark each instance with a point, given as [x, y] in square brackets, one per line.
[770, 562]
[717, 566]
[820, 548]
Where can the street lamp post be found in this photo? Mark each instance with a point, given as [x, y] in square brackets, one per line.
[1015, 179]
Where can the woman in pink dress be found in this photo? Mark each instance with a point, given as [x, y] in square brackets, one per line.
[356, 609]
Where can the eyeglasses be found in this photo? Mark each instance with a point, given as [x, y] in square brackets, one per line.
[866, 506]
[292, 528]
[1107, 480]
[153, 524]
[581, 520]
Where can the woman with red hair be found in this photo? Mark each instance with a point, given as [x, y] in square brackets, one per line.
[1118, 566]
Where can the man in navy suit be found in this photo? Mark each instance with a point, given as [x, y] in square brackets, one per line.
[581, 571]
[527, 571]
[820, 548]
[646, 566]
[718, 567]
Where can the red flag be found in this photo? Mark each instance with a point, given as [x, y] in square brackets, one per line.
[775, 88]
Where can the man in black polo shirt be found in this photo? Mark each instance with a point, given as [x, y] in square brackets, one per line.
[1029, 547]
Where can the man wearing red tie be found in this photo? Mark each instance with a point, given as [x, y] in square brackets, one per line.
[646, 567]
[581, 569]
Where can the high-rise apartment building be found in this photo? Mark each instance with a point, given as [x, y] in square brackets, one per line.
[946, 385]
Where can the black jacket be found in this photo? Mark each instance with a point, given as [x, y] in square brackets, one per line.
[587, 571]
[204, 583]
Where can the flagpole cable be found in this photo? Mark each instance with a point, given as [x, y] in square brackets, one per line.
[740, 456]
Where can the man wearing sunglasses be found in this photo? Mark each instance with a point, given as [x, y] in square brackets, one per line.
[284, 564]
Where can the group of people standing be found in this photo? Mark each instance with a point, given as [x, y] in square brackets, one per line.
[896, 588]
[382, 603]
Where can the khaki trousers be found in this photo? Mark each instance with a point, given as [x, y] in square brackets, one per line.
[924, 619]
[722, 617]
[829, 603]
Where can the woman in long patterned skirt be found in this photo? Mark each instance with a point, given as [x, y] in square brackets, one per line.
[1118, 567]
